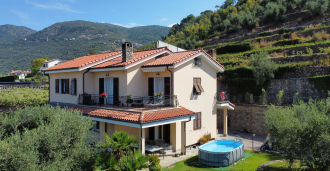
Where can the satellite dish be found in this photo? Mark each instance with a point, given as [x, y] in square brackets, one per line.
[123, 40]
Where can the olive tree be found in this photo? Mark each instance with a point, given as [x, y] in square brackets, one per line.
[45, 138]
[303, 132]
[263, 67]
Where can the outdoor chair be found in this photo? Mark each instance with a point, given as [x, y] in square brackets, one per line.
[87, 100]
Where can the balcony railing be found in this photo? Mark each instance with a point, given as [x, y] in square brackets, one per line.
[134, 102]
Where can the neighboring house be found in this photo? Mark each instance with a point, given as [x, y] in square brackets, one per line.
[51, 63]
[21, 74]
[186, 111]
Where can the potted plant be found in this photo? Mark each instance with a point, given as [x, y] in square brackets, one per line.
[202, 140]
[159, 95]
[85, 99]
[103, 96]
[129, 96]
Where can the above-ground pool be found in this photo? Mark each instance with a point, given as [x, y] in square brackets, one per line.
[220, 153]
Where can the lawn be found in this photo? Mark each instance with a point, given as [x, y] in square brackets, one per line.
[284, 166]
[251, 162]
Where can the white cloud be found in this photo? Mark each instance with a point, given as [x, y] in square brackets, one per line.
[102, 21]
[171, 25]
[55, 5]
[129, 25]
[25, 18]
[163, 19]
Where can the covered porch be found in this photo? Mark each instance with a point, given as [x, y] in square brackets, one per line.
[224, 104]
[154, 137]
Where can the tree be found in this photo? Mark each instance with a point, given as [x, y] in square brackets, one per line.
[303, 132]
[316, 7]
[274, 12]
[263, 68]
[92, 52]
[45, 138]
[187, 44]
[37, 64]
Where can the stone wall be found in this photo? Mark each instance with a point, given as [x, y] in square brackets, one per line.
[245, 118]
[315, 57]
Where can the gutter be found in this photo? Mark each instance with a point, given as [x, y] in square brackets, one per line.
[84, 79]
[184, 136]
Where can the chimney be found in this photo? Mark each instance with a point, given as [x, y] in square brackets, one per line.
[127, 51]
[213, 53]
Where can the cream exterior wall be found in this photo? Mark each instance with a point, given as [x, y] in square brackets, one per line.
[204, 103]
[112, 74]
[130, 130]
[175, 137]
[65, 98]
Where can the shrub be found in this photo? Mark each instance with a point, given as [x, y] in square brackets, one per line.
[294, 35]
[309, 51]
[154, 163]
[234, 48]
[23, 96]
[287, 42]
[274, 12]
[265, 33]
[263, 68]
[321, 50]
[280, 97]
[207, 136]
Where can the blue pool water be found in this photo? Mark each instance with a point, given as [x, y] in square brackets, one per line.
[221, 146]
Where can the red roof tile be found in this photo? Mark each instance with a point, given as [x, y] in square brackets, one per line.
[83, 61]
[137, 56]
[134, 116]
[179, 57]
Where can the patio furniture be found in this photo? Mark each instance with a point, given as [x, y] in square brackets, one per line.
[153, 149]
[87, 100]
[157, 103]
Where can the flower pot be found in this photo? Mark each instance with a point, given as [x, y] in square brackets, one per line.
[159, 97]
[129, 97]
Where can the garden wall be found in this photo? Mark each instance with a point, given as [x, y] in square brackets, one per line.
[245, 117]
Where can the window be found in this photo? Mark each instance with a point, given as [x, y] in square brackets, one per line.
[197, 86]
[62, 86]
[73, 86]
[198, 121]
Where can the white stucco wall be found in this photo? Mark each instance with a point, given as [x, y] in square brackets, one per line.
[204, 103]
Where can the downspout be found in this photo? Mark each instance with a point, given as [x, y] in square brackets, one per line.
[172, 88]
[184, 136]
[84, 79]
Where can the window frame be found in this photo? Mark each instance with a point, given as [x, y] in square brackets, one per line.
[59, 83]
[197, 86]
[73, 87]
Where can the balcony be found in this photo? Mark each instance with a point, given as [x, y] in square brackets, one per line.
[135, 103]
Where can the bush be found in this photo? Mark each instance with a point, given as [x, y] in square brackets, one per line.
[287, 42]
[45, 138]
[309, 51]
[202, 140]
[154, 163]
[207, 136]
[265, 33]
[263, 68]
[234, 48]
[10, 78]
[280, 98]
[274, 13]
[23, 96]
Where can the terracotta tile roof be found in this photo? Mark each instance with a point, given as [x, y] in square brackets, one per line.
[134, 116]
[179, 57]
[83, 61]
[137, 56]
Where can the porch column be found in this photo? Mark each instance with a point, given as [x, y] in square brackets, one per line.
[176, 136]
[142, 134]
[225, 118]
[102, 130]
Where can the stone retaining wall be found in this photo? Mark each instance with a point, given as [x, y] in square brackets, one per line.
[315, 57]
[244, 118]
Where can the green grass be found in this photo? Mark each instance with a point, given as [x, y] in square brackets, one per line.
[284, 166]
[251, 162]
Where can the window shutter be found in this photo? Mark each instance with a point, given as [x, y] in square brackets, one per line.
[199, 124]
[151, 86]
[196, 87]
[115, 89]
[73, 86]
[167, 86]
[57, 85]
[67, 87]
[101, 89]
[199, 83]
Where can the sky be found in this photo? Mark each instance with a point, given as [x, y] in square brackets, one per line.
[39, 14]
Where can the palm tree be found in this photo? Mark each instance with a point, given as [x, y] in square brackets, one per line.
[134, 160]
[118, 142]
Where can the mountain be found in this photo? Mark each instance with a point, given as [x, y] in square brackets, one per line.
[69, 40]
[11, 33]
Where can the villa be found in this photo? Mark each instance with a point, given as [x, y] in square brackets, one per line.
[162, 95]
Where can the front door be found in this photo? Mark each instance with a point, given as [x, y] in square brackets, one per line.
[167, 133]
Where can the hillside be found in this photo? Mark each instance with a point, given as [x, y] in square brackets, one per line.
[10, 32]
[68, 40]
[294, 35]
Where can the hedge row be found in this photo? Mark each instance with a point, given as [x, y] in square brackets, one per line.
[287, 42]
[234, 48]
[10, 78]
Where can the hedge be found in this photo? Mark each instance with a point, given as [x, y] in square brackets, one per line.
[265, 33]
[10, 78]
[287, 42]
[321, 83]
[234, 48]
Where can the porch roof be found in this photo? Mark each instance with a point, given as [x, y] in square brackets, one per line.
[134, 116]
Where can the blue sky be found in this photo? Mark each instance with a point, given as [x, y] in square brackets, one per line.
[39, 14]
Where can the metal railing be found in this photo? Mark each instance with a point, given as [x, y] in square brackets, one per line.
[125, 102]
